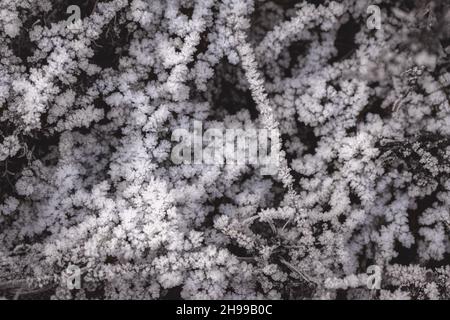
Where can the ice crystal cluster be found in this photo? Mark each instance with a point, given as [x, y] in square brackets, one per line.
[88, 108]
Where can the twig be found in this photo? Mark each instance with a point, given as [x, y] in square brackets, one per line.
[304, 276]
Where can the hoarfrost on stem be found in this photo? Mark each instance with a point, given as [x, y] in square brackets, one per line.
[362, 117]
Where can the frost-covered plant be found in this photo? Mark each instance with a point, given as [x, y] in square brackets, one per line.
[87, 112]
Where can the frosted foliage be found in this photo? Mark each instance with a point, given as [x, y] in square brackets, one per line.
[361, 116]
